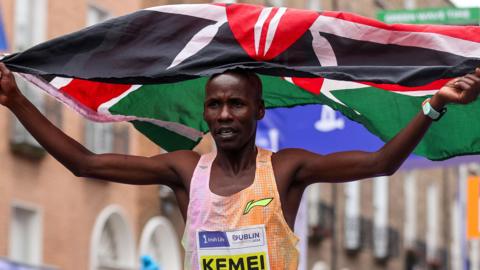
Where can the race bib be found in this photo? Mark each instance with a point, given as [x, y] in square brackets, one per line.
[241, 249]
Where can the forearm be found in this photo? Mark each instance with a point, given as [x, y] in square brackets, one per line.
[392, 155]
[62, 147]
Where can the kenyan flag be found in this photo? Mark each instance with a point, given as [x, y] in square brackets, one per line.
[150, 68]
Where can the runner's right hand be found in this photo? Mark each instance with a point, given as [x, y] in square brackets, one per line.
[8, 87]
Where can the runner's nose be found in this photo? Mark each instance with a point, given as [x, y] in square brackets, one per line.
[225, 114]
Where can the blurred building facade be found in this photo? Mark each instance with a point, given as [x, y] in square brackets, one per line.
[414, 219]
[48, 217]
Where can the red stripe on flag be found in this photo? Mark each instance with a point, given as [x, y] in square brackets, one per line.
[471, 33]
[93, 94]
[312, 85]
[399, 88]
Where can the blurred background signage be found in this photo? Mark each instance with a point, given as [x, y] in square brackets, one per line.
[322, 130]
[454, 16]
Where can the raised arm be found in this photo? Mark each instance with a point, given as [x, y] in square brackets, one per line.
[346, 166]
[80, 161]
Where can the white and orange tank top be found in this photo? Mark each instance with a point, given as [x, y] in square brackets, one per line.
[246, 230]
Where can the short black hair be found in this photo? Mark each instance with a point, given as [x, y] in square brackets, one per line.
[252, 78]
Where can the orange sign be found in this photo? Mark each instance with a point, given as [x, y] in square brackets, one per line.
[473, 207]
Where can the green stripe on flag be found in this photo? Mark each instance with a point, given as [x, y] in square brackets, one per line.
[280, 93]
[180, 102]
[387, 113]
[168, 140]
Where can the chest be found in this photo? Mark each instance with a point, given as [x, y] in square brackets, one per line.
[227, 183]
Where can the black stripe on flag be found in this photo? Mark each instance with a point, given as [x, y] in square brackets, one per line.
[144, 42]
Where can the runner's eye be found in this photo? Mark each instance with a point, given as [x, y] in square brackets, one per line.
[237, 103]
[213, 104]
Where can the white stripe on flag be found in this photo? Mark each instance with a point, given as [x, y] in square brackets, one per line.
[59, 82]
[209, 12]
[198, 42]
[419, 93]
[323, 50]
[272, 28]
[257, 30]
[368, 33]
[103, 108]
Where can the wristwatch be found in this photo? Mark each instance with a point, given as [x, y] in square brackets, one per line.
[429, 111]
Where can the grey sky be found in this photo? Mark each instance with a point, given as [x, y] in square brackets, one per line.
[466, 3]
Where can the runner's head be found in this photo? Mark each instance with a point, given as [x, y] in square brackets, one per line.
[233, 104]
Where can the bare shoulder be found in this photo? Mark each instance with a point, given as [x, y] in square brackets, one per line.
[181, 159]
[287, 163]
[182, 162]
[292, 156]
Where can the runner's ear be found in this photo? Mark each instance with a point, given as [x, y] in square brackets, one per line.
[261, 110]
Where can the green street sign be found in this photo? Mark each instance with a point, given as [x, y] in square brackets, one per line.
[454, 16]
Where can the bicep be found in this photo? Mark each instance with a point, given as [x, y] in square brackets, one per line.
[129, 169]
[337, 167]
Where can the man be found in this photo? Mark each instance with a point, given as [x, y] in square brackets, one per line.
[239, 203]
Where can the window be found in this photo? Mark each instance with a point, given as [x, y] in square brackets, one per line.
[313, 200]
[320, 265]
[25, 235]
[96, 15]
[320, 218]
[30, 29]
[352, 216]
[432, 222]
[107, 137]
[99, 137]
[456, 245]
[112, 245]
[53, 110]
[380, 222]
[121, 138]
[20, 135]
[314, 5]
[159, 241]
[475, 253]
[275, 3]
[380, 4]
[410, 4]
[410, 191]
[30, 22]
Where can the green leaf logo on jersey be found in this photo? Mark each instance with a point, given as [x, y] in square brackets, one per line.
[253, 203]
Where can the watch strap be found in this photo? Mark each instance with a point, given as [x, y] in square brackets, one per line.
[429, 111]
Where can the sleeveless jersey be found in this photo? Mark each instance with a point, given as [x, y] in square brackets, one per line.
[246, 230]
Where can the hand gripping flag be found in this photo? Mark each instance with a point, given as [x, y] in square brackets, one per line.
[150, 68]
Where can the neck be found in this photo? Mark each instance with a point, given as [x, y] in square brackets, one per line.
[235, 161]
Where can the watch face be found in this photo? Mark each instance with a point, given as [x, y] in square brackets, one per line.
[429, 111]
[425, 108]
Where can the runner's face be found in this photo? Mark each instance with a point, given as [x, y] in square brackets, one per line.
[231, 111]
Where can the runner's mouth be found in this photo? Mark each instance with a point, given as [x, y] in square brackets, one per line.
[226, 132]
